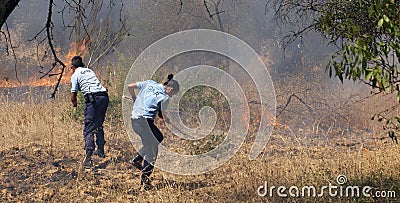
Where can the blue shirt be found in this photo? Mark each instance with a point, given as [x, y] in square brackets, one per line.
[85, 80]
[150, 99]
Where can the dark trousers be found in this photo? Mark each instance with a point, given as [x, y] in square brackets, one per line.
[151, 137]
[94, 117]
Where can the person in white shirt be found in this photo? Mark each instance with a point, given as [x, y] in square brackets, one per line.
[96, 103]
[151, 99]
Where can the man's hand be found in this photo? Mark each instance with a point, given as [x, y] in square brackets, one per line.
[131, 88]
[128, 97]
[161, 123]
[74, 100]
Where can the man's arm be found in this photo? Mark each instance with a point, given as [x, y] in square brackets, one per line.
[74, 89]
[131, 88]
[163, 106]
[160, 114]
[73, 99]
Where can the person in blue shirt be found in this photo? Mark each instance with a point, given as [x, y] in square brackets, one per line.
[151, 100]
[96, 103]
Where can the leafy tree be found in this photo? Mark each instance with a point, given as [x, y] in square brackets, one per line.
[366, 33]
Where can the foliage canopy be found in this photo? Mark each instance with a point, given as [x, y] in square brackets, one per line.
[365, 32]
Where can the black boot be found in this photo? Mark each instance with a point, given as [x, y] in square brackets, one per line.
[100, 152]
[87, 162]
[137, 162]
[146, 182]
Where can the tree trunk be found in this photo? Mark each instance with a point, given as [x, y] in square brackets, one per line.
[6, 8]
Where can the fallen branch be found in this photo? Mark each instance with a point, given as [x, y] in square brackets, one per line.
[288, 102]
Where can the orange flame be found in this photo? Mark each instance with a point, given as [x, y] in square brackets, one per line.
[77, 48]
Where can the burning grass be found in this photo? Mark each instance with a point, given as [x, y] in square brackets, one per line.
[42, 148]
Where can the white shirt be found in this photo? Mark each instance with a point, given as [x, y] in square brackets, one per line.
[151, 99]
[85, 80]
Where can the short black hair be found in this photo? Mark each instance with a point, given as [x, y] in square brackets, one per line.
[172, 83]
[77, 61]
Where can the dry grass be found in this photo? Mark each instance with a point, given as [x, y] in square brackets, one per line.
[41, 151]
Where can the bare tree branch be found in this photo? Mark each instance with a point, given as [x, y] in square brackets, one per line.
[50, 41]
[13, 52]
[180, 6]
[87, 17]
[6, 8]
[288, 102]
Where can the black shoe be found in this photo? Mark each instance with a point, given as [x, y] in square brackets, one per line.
[136, 164]
[100, 153]
[146, 182]
[87, 162]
